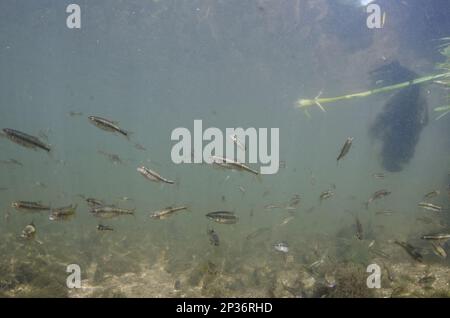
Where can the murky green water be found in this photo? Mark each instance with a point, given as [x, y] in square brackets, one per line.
[157, 66]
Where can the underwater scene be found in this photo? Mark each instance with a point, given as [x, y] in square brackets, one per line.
[225, 148]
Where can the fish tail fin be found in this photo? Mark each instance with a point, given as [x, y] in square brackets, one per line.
[130, 212]
[176, 182]
[127, 134]
[258, 178]
[50, 153]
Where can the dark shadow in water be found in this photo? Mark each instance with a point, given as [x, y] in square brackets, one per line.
[404, 115]
[348, 24]
[420, 24]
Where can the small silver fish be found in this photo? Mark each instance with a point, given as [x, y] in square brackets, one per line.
[108, 125]
[439, 250]
[153, 175]
[231, 164]
[436, 237]
[63, 214]
[92, 202]
[287, 220]
[411, 250]
[139, 147]
[378, 195]
[281, 247]
[223, 217]
[345, 148]
[384, 212]
[25, 140]
[165, 213]
[101, 227]
[12, 162]
[380, 253]
[272, 206]
[110, 211]
[31, 206]
[430, 206]
[115, 159]
[326, 195]
[432, 194]
[295, 200]
[72, 113]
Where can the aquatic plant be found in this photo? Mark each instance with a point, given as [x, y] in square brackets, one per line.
[444, 109]
[351, 282]
[443, 78]
[445, 82]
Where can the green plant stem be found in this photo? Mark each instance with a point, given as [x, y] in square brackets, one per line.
[442, 108]
[304, 103]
